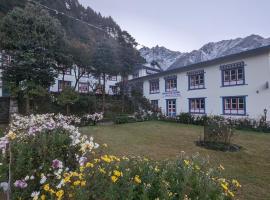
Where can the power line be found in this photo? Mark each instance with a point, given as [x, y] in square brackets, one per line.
[74, 18]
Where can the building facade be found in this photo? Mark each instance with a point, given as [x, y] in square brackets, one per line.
[84, 82]
[233, 86]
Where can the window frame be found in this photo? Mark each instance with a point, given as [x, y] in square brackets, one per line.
[195, 110]
[114, 89]
[156, 83]
[112, 78]
[171, 114]
[231, 105]
[233, 74]
[194, 75]
[61, 86]
[82, 91]
[169, 82]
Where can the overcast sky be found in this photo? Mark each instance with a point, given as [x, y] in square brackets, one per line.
[185, 25]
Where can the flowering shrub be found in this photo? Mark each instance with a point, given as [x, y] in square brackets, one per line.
[89, 119]
[111, 177]
[33, 142]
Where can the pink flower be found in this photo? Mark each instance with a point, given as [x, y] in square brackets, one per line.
[20, 184]
[57, 164]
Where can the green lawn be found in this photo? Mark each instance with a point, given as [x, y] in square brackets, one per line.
[164, 140]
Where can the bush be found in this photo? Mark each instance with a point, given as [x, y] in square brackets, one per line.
[111, 177]
[123, 119]
[31, 145]
[238, 123]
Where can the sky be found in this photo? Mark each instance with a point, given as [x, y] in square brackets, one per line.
[186, 25]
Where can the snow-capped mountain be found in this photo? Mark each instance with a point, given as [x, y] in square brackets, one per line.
[164, 57]
[171, 59]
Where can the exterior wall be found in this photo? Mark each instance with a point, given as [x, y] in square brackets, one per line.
[257, 74]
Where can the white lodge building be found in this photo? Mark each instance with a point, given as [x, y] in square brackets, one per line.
[234, 85]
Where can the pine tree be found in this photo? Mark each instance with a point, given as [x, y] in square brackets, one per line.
[33, 39]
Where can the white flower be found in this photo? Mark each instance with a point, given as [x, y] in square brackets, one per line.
[35, 195]
[27, 178]
[60, 184]
[43, 179]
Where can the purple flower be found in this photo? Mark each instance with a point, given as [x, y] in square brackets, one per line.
[82, 161]
[20, 184]
[56, 164]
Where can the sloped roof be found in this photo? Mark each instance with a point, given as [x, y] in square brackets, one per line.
[220, 60]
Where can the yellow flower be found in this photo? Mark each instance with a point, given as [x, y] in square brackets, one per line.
[83, 183]
[76, 183]
[67, 179]
[106, 158]
[82, 169]
[101, 170]
[43, 197]
[46, 187]
[51, 191]
[230, 193]
[105, 145]
[125, 158]
[197, 167]
[59, 194]
[236, 183]
[114, 178]
[221, 167]
[117, 173]
[11, 135]
[156, 169]
[137, 179]
[89, 165]
[224, 186]
[187, 162]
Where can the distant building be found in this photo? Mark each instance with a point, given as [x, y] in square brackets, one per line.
[86, 82]
[233, 86]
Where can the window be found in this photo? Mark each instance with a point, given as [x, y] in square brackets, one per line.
[234, 105]
[63, 84]
[112, 78]
[154, 86]
[135, 74]
[154, 104]
[171, 108]
[196, 80]
[197, 106]
[67, 71]
[171, 84]
[83, 87]
[114, 89]
[233, 74]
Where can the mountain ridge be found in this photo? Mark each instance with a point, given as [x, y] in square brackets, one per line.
[168, 59]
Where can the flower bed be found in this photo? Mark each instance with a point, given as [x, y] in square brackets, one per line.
[46, 157]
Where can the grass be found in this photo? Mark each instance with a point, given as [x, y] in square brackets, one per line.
[164, 140]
